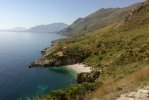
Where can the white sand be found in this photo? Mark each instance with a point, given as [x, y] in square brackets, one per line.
[79, 68]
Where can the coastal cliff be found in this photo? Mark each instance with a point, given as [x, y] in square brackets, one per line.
[58, 55]
[42, 61]
[57, 59]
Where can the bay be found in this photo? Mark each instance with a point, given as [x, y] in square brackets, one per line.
[17, 51]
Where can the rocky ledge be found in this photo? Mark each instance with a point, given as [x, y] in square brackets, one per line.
[60, 57]
[141, 94]
[42, 62]
[65, 60]
[44, 53]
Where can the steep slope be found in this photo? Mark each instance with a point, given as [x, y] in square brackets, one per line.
[55, 27]
[120, 50]
[97, 20]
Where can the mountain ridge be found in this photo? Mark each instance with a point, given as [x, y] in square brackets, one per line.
[97, 20]
[54, 27]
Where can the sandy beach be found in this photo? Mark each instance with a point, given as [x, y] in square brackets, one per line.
[79, 68]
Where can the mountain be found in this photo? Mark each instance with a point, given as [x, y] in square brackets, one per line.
[96, 20]
[55, 27]
[120, 50]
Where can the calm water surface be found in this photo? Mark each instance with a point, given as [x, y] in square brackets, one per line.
[17, 51]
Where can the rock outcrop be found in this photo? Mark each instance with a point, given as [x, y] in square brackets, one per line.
[43, 62]
[44, 53]
[65, 60]
[141, 94]
[60, 57]
[88, 76]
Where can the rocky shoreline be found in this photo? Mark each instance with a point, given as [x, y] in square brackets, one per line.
[61, 58]
[85, 74]
[43, 62]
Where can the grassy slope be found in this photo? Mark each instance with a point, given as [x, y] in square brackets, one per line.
[121, 50]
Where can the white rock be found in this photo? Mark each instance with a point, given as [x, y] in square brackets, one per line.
[141, 94]
[125, 98]
[143, 91]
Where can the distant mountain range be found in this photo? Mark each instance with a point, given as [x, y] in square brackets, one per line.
[55, 27]
[50, 28]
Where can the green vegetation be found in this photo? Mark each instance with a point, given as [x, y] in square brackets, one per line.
[76, 91]
[120, 49]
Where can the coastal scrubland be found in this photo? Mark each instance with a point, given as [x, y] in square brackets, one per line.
[120, 50]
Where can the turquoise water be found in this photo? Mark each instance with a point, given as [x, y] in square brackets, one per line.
[17, 51]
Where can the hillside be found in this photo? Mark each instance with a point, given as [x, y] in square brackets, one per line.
[120, 50]
[55, 27]
[96, 20]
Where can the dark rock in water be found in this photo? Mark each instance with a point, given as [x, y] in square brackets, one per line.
[43, 52]
[88, 76]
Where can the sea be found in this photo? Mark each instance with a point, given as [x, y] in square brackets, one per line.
[17, 80]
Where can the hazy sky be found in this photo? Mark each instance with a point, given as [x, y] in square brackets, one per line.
[27, 13]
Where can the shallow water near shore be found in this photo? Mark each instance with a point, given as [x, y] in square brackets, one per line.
[17, 51]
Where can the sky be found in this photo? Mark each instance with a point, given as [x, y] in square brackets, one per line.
[27, 13]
